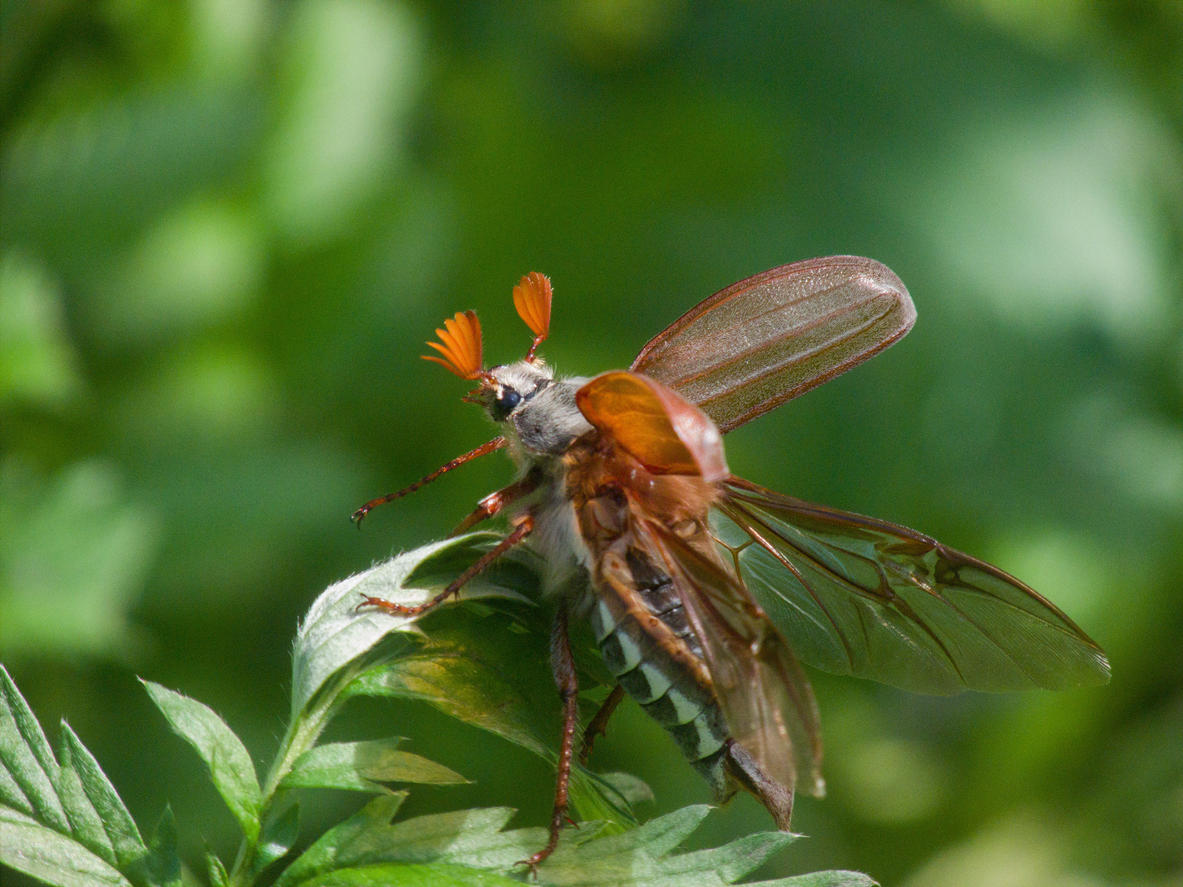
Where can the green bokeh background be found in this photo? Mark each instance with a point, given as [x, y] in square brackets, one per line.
[229, 225]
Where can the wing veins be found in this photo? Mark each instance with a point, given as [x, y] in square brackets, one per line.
[1062, 624]
[889, 601]
[792, 568]
[793, 360]
[894, 601]
[745, 495]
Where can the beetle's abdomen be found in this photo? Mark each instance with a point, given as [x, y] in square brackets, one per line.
[650, 648]
[634, 606]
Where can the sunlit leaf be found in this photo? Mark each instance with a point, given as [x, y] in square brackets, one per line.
[335, 634]
[345, 842]
[460, 845]
[361, 765]
[29, 763]
[218, 876]
[823, 879]
[229, 762]
[415, 875]
[118, 828]
[60, 818]
[480, 671]
[29, 846]
[280, 832]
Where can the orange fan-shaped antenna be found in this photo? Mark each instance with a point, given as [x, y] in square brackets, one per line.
[460, 345]
[532, 299]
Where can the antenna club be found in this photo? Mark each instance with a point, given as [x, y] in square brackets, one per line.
[459, 346]
[532, 299]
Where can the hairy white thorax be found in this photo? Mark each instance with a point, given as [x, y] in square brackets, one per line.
[539, 429]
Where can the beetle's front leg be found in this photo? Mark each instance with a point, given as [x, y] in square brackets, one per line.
[522, 529]
[496, 501]
[484, 449]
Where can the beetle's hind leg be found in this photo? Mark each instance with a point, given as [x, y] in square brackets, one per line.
[563, 665]
[598, 725]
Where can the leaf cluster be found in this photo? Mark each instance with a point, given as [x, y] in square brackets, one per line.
[63, 822]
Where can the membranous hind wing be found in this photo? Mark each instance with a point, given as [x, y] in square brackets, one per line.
[856, 595]
[776, 335]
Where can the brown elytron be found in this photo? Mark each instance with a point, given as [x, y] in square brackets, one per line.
[704, 590]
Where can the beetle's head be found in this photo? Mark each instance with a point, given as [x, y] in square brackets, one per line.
[501, 389]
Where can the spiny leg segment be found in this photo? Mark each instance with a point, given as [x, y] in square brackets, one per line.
[494, 502]
[599, 722]
[491, 446]
[521, 530]
[563, 665]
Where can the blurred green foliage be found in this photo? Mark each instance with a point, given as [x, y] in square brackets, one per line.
[226, 226]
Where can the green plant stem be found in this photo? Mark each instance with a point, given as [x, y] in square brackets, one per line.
[301, 735]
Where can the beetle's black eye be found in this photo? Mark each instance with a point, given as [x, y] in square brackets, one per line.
[504, 404]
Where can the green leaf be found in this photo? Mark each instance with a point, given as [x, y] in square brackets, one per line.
[279, 834]
[646, 857]
[218, 876]
[334, 634]
[416, 875]
[484, 671]
[75, 537]
[488, 668]
[28, 760]
[60, 820]
[489, 672]
[597, 796]
[229, 763]
[462, 846]
[42, 852]
[826, 879]
[119, 829]
[342, 843]
[471, 837]
[629, 787]
[163, 866]
[360, 766]
[85, 821]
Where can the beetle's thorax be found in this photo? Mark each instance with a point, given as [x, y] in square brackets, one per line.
[545, 420]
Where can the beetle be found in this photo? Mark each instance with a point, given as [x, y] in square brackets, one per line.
[705, 591]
